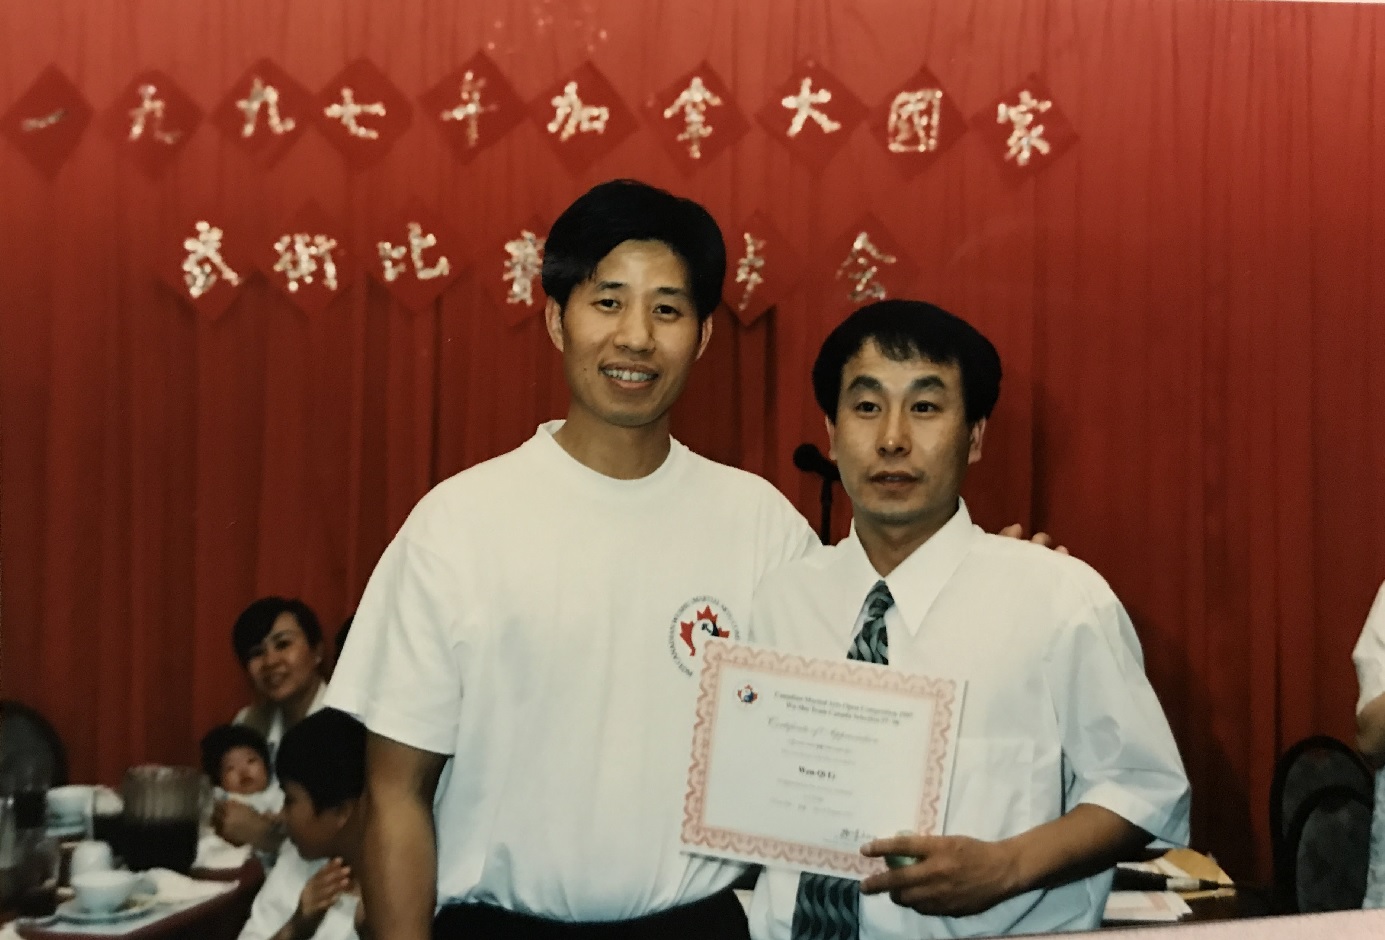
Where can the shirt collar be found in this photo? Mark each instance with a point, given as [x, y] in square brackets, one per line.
[916, 583]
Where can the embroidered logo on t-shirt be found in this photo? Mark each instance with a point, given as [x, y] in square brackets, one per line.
[697, 621]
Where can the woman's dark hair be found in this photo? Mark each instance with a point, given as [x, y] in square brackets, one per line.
[628, 210]
[904, 329]
[255, 622]
[325, 755]
[223, 738]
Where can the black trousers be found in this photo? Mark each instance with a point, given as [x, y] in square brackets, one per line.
[719, 917]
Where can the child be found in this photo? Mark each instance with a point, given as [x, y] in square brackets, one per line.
[311, 893]
[236, 758]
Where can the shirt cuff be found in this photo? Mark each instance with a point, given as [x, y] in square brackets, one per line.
[1167, 823]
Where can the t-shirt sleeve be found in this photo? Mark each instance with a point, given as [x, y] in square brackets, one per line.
[790, 536]
[400, 672]
[1369, 654]
[1116, 739]
[277, 898]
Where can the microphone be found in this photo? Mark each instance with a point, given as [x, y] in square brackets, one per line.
[809, 459]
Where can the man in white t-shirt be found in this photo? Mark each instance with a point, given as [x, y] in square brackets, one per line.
[539, 620]
[1065, 762]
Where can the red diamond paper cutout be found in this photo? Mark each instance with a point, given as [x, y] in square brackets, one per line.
[695, 118]
[362, 113]
[417, 257]
[917, 123]
[206, 265]
[761, 268]
[510, 271]
[473, 107]
[47, 121]
[812, 127]
[265, 111]
[152, 120]
[867, 263]
[1025, 129]
[306, 258]
[582, 117]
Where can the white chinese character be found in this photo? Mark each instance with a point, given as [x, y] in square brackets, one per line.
[914, 116]
[29, 125]
[150, 107]
[524, 264]
[346, 111]
[802, 106]
[694, 101]
[390, 256]
[748, 269]
[204, 261]
[267, 95]
[573, 116]
[1026, 137]
[470, 109]
[861, 267]
[299, 255]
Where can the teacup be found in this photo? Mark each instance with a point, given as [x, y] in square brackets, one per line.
[90, 856]
[101, 892]
[69, 802]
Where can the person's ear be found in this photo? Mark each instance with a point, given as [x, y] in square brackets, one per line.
[831, 438]
[705, 328]
[977, 435]
[553, 319]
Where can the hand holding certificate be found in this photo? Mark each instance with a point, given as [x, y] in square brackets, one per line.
[800, 761]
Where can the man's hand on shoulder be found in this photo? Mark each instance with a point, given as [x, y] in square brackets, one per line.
[952, 876]
[1016, 531]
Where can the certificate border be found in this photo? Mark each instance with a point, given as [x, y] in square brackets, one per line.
[696, 832]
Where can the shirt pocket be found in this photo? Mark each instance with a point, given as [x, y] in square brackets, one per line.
[992, 795]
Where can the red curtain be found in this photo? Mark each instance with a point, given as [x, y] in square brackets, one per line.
[1188, 304]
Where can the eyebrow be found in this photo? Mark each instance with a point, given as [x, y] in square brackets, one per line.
[661, 291]
[925, 383]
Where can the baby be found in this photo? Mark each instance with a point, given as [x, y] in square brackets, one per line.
[236, 758]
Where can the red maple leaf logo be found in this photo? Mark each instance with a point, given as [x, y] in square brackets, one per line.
[707, 620]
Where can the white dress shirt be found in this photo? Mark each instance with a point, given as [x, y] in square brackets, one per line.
[1057, 709]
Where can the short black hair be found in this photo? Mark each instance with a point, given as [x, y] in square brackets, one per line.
[627, 210]
[904, 329]
[325, 755]
[255, 622]
[223, 738]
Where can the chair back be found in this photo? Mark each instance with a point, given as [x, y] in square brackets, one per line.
[1329, 850]
[27, 739]
[1305, 768]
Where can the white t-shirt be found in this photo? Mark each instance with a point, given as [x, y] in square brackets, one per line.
[541, 622]
[1369, 658]
[278, 899]
[1057, 710]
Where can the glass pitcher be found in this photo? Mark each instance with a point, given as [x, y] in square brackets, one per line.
[159, 824]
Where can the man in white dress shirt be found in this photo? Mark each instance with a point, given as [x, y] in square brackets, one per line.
[1065, 762]
[539, 619]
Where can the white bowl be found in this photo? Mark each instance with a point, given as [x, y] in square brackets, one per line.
[69, 802]
[101, 892]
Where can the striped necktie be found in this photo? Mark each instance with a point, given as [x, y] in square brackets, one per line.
[828, 908]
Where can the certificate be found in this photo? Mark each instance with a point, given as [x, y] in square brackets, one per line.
[799, 762]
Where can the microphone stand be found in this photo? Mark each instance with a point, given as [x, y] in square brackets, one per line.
[825, 528]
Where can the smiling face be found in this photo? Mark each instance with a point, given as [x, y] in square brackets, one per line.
[283, 665]
[243, 771]
[902, 442]
[629, 334]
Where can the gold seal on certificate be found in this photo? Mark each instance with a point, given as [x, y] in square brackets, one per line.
[799, 762]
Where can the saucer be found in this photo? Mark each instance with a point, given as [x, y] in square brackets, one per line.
[137, 905]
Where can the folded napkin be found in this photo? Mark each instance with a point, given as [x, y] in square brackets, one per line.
[215, 853]
[173, 888]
